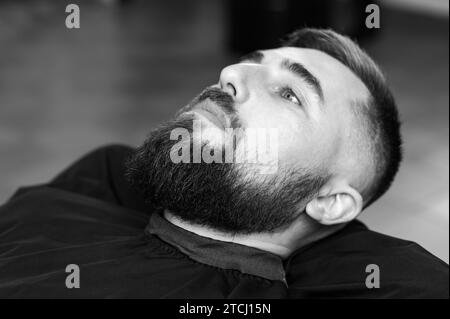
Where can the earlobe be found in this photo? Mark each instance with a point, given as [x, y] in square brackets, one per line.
[338, 208]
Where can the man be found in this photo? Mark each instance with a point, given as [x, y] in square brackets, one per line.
[182, 218]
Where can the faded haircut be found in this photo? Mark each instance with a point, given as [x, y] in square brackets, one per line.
[378, 114]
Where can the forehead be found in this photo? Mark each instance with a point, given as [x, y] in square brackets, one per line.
[336, 79]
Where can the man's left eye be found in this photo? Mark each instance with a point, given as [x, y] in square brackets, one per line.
[289, 95]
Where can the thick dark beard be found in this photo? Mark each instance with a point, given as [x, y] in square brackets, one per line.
[220, 196]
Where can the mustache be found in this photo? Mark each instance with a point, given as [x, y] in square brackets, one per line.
[219, 97]
[222, 99]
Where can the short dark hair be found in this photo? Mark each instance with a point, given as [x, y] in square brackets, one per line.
[379, 113]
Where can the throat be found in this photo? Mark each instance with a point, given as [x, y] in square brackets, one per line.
[277, 244]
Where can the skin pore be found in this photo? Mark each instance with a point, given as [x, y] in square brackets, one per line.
[308, 97]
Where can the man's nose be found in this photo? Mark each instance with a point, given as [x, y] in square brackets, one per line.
[233, 80]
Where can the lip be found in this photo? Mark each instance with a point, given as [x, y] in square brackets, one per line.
[212, 114]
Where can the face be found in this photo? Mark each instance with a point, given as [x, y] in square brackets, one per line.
[307, 96]
[304, 94]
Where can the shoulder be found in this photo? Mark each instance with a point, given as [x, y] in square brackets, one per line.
[341, 265]
[41, 209]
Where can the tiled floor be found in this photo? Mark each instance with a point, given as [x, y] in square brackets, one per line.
[64, 92]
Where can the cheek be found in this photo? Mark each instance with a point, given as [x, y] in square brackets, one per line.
[267, 113]
[309, 146]
[258, 115]
[302, 141]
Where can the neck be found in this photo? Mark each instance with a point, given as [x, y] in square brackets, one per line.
[301, 232]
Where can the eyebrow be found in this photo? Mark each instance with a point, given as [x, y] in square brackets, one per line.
[296, 68]
[302, 72]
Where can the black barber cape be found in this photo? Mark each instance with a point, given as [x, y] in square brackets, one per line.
[89, 217]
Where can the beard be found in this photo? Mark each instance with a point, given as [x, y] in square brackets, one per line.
[226, 197]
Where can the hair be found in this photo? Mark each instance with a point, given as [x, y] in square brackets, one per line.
[378, 113]
[220, 196]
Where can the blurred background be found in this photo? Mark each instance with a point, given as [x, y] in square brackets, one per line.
[132, 64]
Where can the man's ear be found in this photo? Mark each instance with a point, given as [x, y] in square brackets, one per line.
[337, 207]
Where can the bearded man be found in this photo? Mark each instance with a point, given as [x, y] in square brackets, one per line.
[181, 217]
